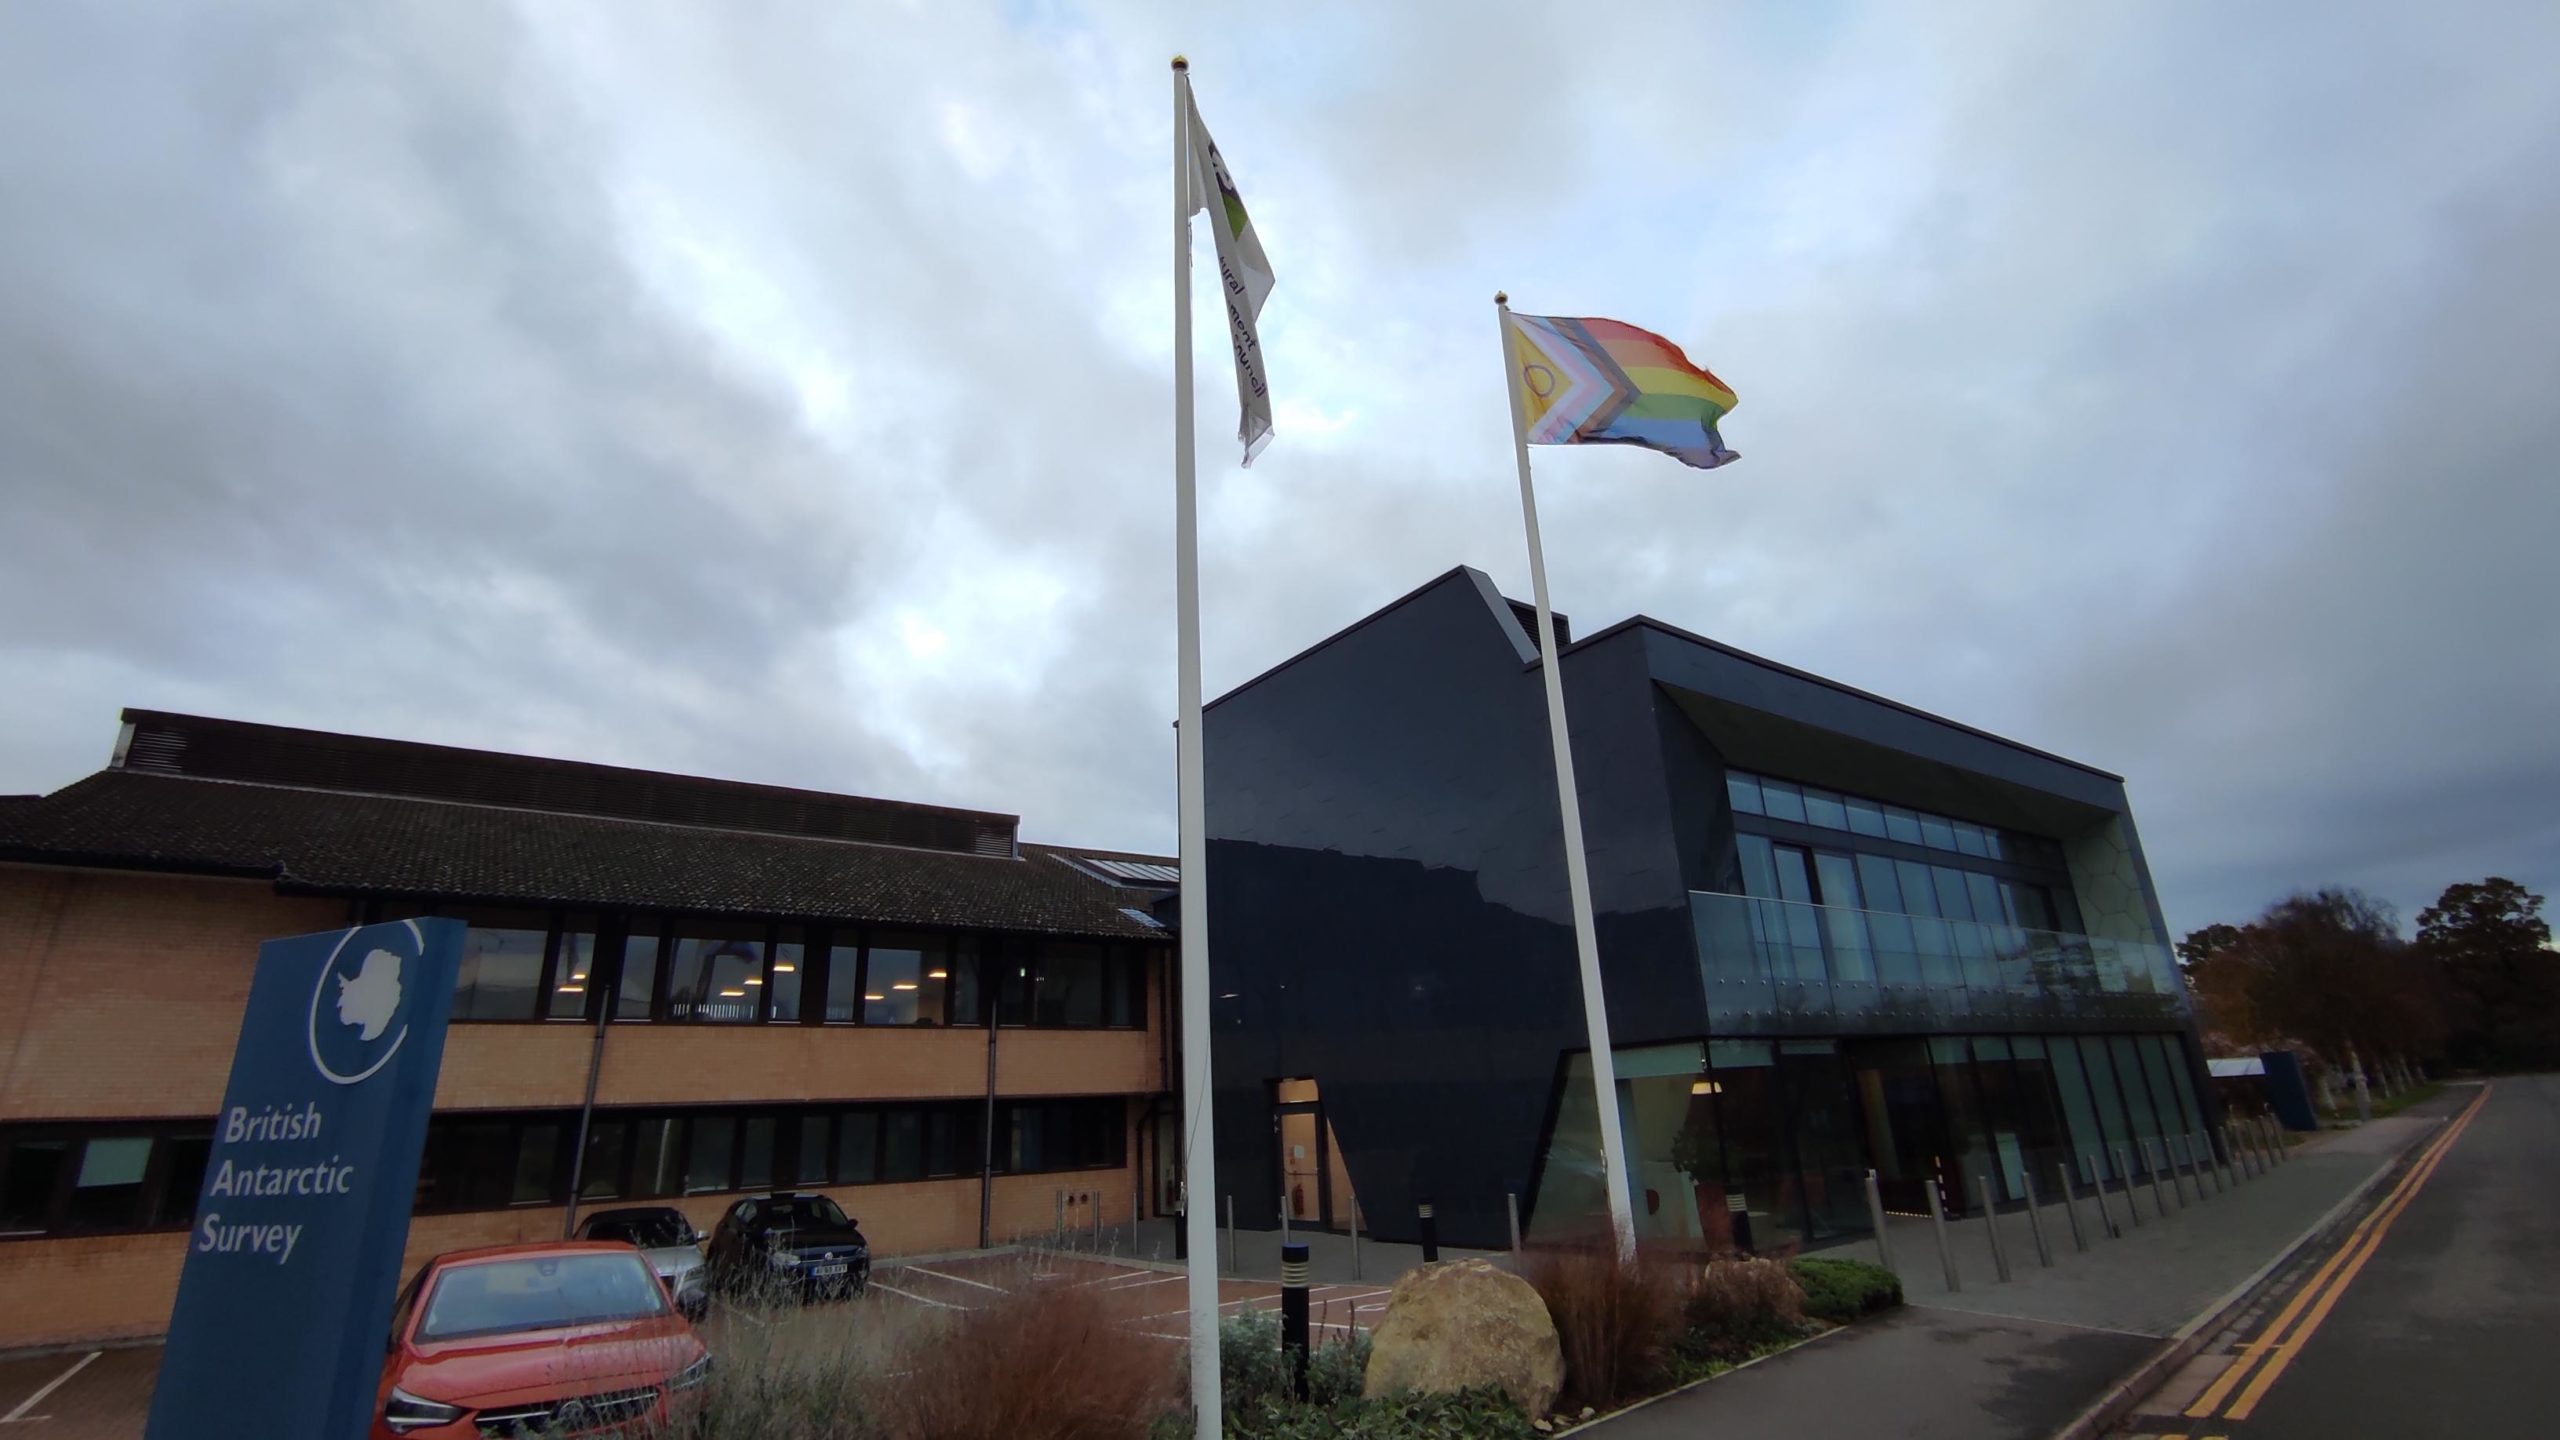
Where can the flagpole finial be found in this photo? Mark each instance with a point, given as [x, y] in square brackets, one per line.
[1499, 298]
[1181, 64]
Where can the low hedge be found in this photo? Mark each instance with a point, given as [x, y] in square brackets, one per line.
[1841, 1291]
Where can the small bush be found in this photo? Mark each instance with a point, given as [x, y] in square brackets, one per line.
[1843, 1290]
[1253, 1372]
[1735, 1307]
[1485, 1414]
[1618, 1321]
[1045, 1362]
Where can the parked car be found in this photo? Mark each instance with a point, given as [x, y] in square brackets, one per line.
[667, 1237]
[568, 1338]
[800, 1246]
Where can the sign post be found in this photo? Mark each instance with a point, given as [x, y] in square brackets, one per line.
[294, 1256]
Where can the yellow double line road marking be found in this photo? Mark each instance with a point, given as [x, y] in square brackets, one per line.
[2273, 1344]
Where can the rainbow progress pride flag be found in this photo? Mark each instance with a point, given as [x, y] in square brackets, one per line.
[1601, 382]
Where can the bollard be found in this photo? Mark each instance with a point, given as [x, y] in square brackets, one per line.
[2253, 1144]
[2035, 1218]
[1991, 1227]
[1182, 1225]
[1058, 1227]
[2170, 1149]
[1097, 1222]
[1875, 1217]
[1938, 1222]
[1430, 1232]
[2212, 1163]
[1512, 1199]
[1737, 1209]
[1232, 1266]
[2158, 1199]
[2124, 1177]
[2098, 1187]
[2226, 1159]
[1284, 1217]
[2071, 1207]
[1293, 1314]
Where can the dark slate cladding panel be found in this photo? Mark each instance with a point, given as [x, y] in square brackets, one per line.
[1387, 906]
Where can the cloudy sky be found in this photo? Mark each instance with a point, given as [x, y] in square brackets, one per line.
[781, 391]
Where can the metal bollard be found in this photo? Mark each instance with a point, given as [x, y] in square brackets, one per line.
[2226, 1158]
[1293, 1314]
[2098, 1187]
[2035, 1218]
[2171, 1147]
[2158, 1199]
[1512, 1199]
[1991, 1226]
[2071, 1207]
[1875, 1217]
[1430, 1232]
[1284, 1217]
[1232, 1266]
[2212, 1163]
[2124, 1177]
[1938, 1222]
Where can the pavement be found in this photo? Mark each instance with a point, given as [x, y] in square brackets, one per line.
[2438, 1317]
[2025, 1357]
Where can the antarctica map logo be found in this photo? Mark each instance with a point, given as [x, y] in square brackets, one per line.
[358, 1017]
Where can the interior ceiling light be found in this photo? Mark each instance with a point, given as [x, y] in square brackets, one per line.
[783, 967]
[937, 974]
[875, 997]
[573, 989]
[1705, 1087]
[903, 985]
[733, 994]
[752, 980]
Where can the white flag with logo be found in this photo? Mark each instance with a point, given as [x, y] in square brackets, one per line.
[1244, 279]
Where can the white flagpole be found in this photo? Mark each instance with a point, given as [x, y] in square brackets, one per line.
[1595, 1010]
[1199, 1148]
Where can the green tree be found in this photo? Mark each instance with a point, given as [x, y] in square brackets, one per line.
[2492, 949]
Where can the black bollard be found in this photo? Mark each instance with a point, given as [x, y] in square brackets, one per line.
[1181, 1231]
[1739, 1209]
[1293, 1314]
[1430, 1232]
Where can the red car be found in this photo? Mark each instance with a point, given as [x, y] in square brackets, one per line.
[555, 1339]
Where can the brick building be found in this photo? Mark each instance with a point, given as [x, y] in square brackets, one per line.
[959, 1036]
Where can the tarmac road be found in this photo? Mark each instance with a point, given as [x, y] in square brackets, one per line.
[2443, 1318]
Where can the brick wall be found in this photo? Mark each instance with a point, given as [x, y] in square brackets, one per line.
[123, 992]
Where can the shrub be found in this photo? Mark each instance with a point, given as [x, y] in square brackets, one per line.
[1737, 1306]
[1485, 1414]
[1617, 1320]
[1044, 1362]
[1252, 1372]
[1843, 1290]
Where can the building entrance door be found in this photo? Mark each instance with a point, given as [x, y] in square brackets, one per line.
[1315, 1188]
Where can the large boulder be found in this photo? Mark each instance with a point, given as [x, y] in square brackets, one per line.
[1465, 1323]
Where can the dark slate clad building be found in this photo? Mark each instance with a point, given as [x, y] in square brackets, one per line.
[1837, 933]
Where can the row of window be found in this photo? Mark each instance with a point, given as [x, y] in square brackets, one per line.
[564, 966]
[55, 1181]
[1811, 805]
[1775, 871]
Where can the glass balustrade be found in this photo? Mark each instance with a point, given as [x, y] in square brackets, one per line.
[1787, 957]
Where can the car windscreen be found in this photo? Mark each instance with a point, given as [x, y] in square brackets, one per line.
[649, 1232]
[800, 1210]
[553, 1292]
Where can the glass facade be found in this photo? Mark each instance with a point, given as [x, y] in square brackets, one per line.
[1758, 1144]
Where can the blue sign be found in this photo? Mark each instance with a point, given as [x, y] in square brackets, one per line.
[294, 1258]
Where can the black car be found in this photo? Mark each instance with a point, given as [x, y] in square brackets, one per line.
[796, 1246]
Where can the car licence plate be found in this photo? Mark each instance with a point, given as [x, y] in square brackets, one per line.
[824, 1271]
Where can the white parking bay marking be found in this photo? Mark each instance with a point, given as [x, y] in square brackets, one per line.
[20, 1414]
[911, 1295]
[955, 1279]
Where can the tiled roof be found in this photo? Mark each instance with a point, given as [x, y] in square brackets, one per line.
[339, 843]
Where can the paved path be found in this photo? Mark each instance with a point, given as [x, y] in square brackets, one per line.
[1919, 1374]
[2442, 1317]
[2022, 1358]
